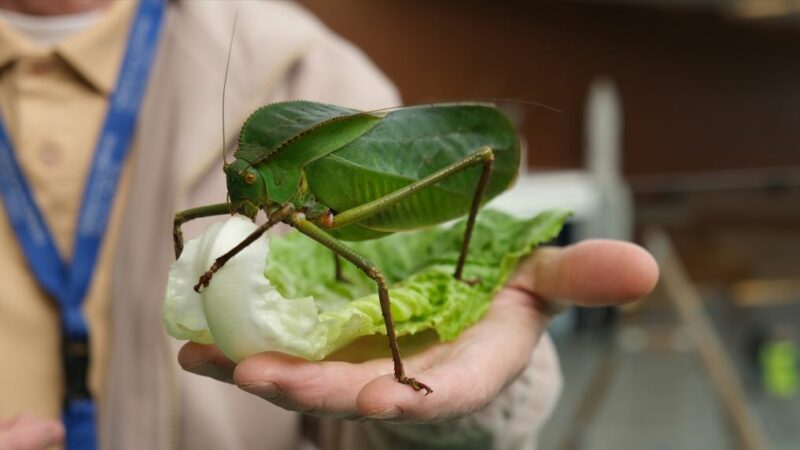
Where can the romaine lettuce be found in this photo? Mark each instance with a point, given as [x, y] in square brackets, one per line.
[293, 304]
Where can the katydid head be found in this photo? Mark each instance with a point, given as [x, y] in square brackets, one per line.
[246, 187]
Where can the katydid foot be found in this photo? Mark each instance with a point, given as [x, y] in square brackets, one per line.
[473, 282]
[417, 385]
[205, 279]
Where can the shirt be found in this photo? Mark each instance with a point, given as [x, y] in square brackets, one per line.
[53, 100]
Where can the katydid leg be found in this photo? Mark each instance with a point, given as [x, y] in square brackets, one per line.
[273, 220]
[306, 227]
[182, 217]
[486, 157]
[337, 268]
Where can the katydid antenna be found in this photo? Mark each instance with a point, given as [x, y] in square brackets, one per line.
[225, 85]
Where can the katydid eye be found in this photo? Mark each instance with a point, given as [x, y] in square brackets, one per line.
[249, 178]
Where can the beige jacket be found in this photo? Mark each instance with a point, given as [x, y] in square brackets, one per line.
[280, 52]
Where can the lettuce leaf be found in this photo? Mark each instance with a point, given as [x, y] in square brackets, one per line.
[298, 307]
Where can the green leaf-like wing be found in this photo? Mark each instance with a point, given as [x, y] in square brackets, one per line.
[409, 144]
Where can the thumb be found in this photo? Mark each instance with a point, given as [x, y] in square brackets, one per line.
[590, 273]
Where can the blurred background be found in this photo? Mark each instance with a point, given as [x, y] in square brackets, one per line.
[677, 126]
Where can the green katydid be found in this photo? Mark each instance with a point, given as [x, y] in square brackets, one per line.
[336, 175]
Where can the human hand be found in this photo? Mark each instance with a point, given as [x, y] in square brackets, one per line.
[465, 374]
[26, 432]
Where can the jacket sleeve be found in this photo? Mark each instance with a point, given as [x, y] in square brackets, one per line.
[334, 71]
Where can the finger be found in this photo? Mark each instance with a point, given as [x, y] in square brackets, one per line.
[10, 421]
[22, 419]
[484, 359]
[327, 388]
[206, 360]
[32, 435]
[591, 273]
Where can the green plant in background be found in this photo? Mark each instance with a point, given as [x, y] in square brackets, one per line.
[780, 364]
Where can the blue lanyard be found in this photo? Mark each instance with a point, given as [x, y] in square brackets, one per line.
[68, 282]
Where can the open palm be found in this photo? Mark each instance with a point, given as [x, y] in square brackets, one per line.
[465, 374]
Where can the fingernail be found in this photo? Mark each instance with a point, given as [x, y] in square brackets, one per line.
[392, 412]
[211, 370]
[264, 389]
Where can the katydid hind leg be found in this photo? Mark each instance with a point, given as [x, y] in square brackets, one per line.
[273, 220]
[487, 158]
[371, 270]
